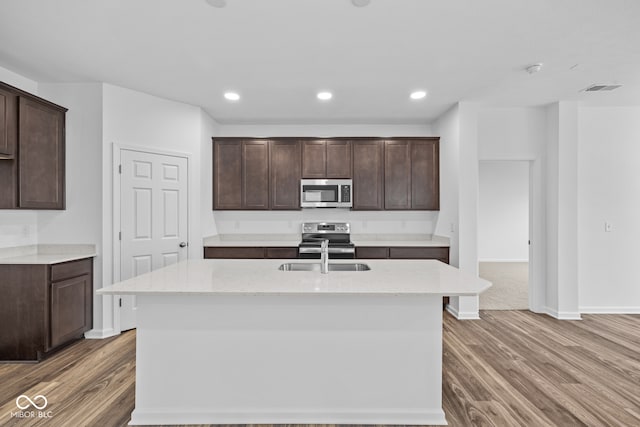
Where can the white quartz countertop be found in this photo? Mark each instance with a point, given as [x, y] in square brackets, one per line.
[253, 240]
[292, 240]
[46, 254]
[260, 277]
[402, 240]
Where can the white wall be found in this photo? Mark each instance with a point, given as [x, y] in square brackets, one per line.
[562, 211]
[81, 221]
[503, 211]
[325, 130]
[520, 134]
[447, 127]
[609, 191]
[18, 228]
[208, 129]
[288, 222]
[133, 118]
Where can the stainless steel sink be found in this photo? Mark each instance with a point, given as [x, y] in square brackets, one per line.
[315, 266]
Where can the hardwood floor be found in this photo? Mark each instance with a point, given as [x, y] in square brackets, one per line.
[512, 368]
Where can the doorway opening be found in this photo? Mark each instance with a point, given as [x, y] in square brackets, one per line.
[503, 234]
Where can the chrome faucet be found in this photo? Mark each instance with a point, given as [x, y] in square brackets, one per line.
[324, 256]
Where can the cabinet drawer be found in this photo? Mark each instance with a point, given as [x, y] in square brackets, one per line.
[286, 253]
[233, 252]
[372, 252]
[438, 253]
[67, 270]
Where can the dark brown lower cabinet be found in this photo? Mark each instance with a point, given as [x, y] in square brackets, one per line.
[236, 252]
[441, 253]
[44, 307]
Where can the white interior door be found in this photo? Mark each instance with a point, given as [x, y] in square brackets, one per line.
[153, 218]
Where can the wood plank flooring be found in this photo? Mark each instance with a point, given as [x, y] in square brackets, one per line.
[512, 368]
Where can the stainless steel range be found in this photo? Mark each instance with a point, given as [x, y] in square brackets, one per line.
[337, 233]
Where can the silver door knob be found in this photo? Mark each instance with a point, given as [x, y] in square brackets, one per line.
[183, 244]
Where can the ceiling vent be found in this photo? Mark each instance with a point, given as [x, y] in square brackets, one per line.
[599, 88]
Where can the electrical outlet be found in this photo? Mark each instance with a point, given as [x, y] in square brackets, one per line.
[453, 228]
[608, 227]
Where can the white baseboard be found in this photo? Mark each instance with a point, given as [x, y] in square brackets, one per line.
[469, 315]
[434, 416]
[610, 310]
[503, 260]
[562, 315]
[98, 334]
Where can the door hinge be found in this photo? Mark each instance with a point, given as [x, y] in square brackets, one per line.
[120, 169]
[119, 235]
[120, 302]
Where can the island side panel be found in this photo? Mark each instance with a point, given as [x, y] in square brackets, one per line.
[280, 359]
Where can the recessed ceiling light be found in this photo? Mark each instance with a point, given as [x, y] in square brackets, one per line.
[419, 94]
[231, 96]
[217, 3]
[360, 3]
[533, 68]
[324, 96]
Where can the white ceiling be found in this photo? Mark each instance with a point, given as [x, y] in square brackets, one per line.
[278, 53]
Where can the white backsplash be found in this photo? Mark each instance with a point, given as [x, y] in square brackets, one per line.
[362, 222]
[18, 228]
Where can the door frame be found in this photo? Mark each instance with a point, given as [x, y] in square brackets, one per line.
[536, 227]
[116, 156]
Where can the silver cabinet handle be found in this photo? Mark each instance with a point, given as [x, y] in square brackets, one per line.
[183, 244]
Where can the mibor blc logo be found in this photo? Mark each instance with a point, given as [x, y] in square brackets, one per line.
[31, 407]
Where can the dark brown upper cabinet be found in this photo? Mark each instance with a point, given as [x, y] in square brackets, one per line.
[397, 175]
[255, 174]
[240, 174]
[425, 174]
[227, 175]
[368, 175]
[329, 158]
[285, 174]
[8, 123]
[32, 151]
[412, 174]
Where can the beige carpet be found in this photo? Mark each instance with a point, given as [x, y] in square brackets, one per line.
[510, 290]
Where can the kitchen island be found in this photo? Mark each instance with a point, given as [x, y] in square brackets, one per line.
[242, 342]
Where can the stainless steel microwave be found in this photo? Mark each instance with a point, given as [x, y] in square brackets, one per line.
[326, 193]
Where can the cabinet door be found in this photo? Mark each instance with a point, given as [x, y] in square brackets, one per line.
[368, 174]
[425, 175]
[70, 309]
[397, 175]
[281, 253]
[8, 120]
[8, 141]
[338, 159]
[233, 252]
[314, 159]
[285, 175]
[419, 252]
[227, 175]
[372, 252]
[255, 175]
[41, 158]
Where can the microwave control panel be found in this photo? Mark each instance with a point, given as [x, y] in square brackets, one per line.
[346, 193]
